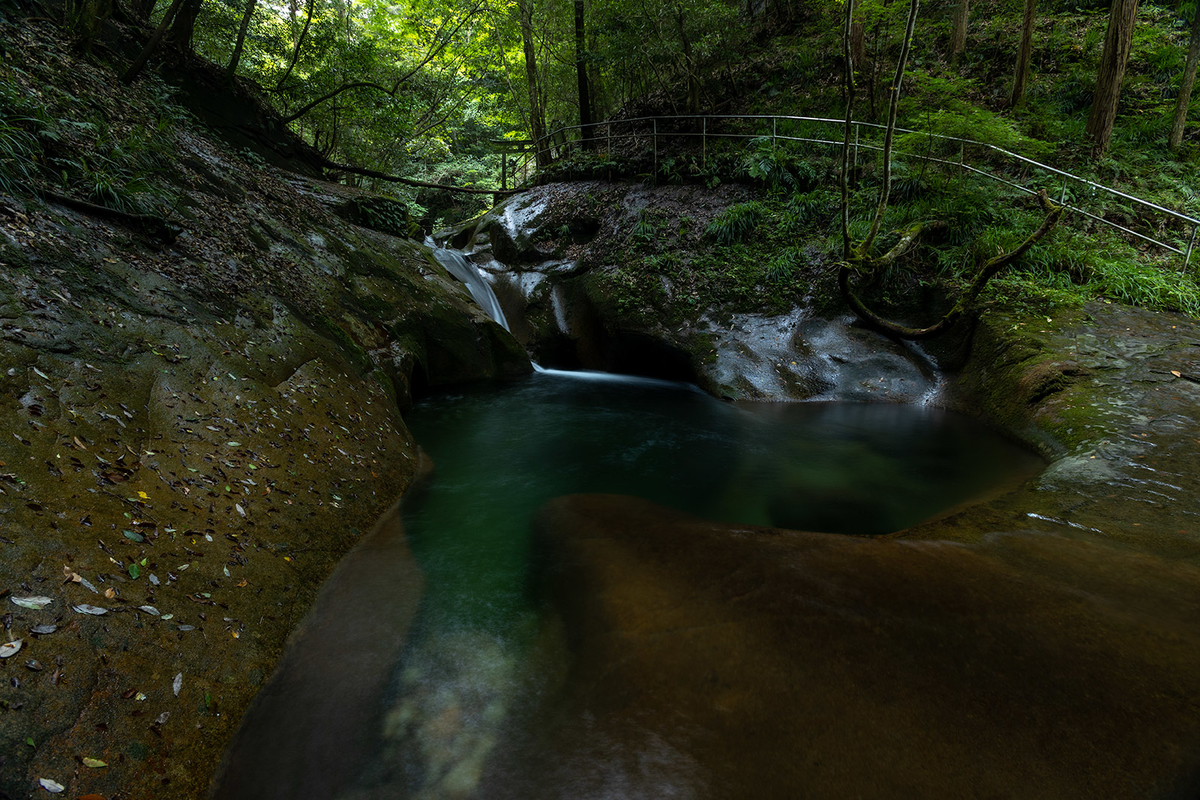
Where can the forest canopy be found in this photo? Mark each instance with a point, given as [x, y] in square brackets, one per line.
[432, 89]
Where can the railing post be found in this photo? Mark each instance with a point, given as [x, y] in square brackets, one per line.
[655, 145]
[704, 143]
[503, 170]
[774, 128]
[856, 131]
[1187, 259]
[1062, 198]
[608, 139]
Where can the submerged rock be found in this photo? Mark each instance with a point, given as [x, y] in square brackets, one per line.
[717, 661]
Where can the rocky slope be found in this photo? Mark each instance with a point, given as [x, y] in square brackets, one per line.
[196, 431]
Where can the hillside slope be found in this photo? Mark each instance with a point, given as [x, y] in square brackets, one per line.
[202, 418]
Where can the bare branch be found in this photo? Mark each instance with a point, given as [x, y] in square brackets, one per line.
[383, 176]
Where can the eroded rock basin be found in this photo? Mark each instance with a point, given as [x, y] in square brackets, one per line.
[1040, 642]
[492, 660]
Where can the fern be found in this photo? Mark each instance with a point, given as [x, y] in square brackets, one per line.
[736, 223]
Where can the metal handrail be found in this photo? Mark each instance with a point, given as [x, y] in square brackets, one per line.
[557, 140]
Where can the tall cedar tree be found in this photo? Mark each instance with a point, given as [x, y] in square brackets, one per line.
[1117, 42]
[1189, 80]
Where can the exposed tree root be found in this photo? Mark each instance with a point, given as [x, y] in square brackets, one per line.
[149, 224]
[989, 269]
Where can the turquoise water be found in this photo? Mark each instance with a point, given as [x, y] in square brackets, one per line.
[500, 452]
[365, 707]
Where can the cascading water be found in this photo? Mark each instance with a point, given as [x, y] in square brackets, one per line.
[458, 266]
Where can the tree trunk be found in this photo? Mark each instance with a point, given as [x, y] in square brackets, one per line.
[135, 68]
[185, 23]
[958, 37]
[1117, 42]
[241, 40]
[537, 110]
[693, 82]
[858, 43]
[1024, 53]
[299, 42]
[84, 18]
[1185, 87]
[581, 75]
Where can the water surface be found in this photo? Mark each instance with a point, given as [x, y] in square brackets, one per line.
[484, 652]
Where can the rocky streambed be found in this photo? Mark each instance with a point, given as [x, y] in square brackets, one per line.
[1040, 644]
[197, 432]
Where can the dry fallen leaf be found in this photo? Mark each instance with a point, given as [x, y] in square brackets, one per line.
[32, 602]
[84, 608]
[54, 787]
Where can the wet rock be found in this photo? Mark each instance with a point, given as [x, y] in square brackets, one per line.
[326, 689]
[730, 661]
[204, 430]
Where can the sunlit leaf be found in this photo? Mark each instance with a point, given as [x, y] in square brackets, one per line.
[10, 649]
[94, 763]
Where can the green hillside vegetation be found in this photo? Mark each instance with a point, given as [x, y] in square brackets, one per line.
[426, 90]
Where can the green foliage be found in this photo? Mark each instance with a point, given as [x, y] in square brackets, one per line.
[382, 214]
[784, 266]
[778, 164]
[736, 223]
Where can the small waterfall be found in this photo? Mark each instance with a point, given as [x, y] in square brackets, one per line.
[458, 266]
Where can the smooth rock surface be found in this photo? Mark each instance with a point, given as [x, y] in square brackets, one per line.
[711, 661]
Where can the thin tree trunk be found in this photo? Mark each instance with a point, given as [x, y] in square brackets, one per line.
[858, 41]
[231, 70]
[296, 47]
[581, 76]
[142, 9]
[958, 37]
[537, 111]
[1117, 42]
[1185, 87]
[184, 25]
[688, 63]
[1024, 53]
[135, 68]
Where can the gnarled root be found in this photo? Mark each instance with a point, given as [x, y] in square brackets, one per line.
[989, 269]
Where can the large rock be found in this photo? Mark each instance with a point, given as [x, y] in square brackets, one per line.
[711, 661]
[195, 434]
[578, 294]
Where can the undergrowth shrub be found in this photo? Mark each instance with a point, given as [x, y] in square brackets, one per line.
[736, 223]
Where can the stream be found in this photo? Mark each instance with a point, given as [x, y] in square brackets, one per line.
[484, 648]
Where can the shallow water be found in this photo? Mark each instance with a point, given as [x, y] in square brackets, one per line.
[483, 650]
[832, 467]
